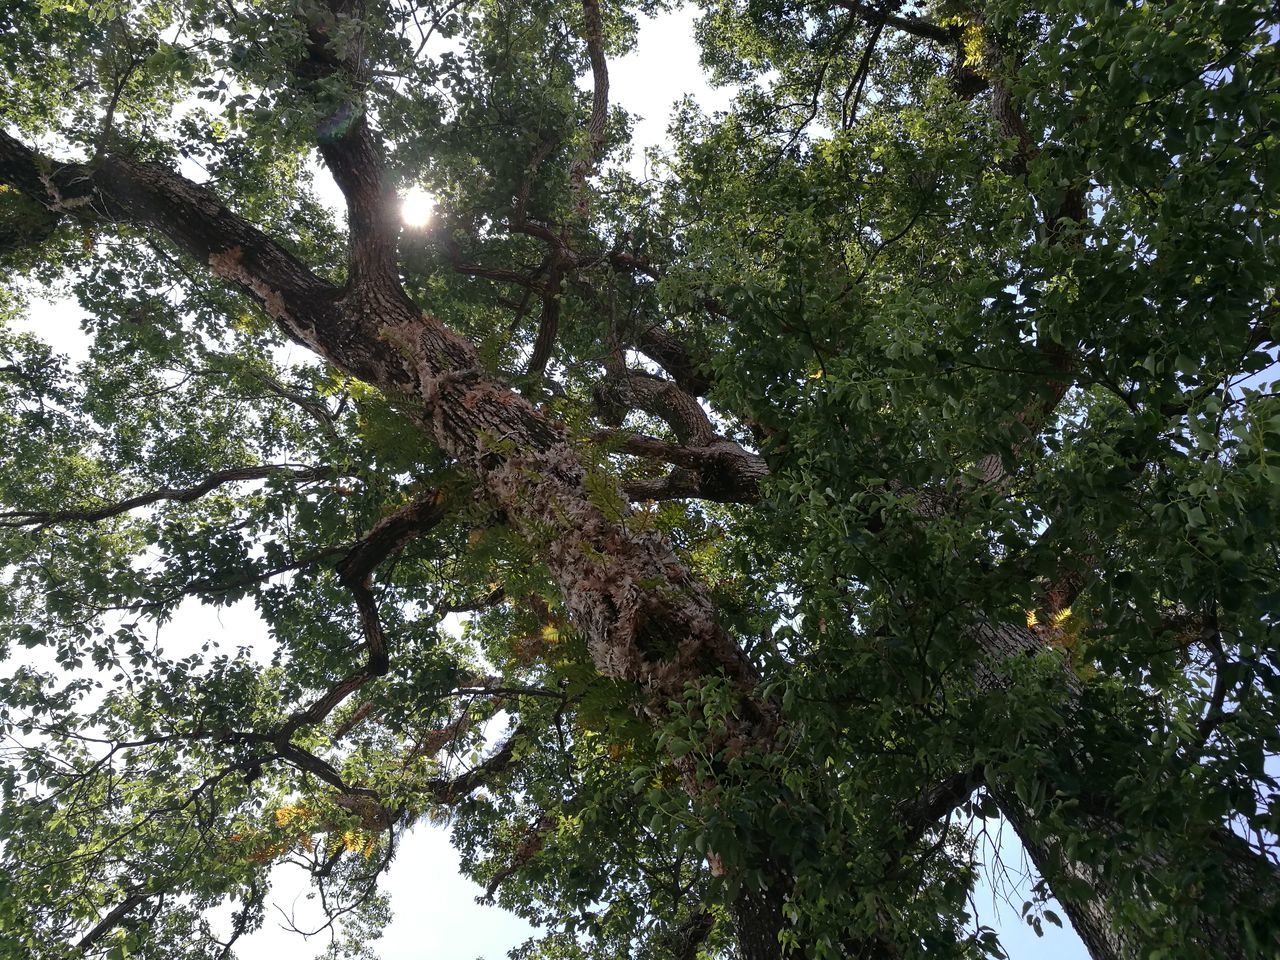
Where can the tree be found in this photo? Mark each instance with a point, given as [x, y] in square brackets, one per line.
[904, 451]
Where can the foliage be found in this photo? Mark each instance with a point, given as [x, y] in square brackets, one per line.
[981, 302]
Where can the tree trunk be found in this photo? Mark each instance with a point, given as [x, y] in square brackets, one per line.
[1090, 915]
[1185, 865]
[759, 922]
[645, 618]
[1089, 898]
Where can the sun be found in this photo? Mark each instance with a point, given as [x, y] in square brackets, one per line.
[416, 208]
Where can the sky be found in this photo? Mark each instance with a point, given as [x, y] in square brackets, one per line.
[436, 916]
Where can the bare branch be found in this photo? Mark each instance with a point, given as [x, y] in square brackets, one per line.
[387, 538]
[24, 518]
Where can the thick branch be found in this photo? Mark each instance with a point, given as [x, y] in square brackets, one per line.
[151, 197]
[680, 484]
[936, 802]
[593, 33]
[715, 468]
[454, 789]
[111, 920]
[916, 26]
[665, 349]
[614, 396]
[354, 155]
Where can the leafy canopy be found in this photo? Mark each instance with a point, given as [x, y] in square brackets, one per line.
[958, 326]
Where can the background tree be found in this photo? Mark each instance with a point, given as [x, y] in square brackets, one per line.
[904, 451]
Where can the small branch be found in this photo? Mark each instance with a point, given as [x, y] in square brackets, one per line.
[388, 537]
[1214, 714]
[21, 518]
[849, 112]
[525, 851]
[314, 407]
[499, 691]
[108, 122]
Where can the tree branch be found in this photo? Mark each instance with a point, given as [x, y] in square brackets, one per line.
[662, 347]
[188, 215]
[593, 33]
[615, 395]
[387, 538]
[454, 789]
[24, 518]
[111, 920]
[353, 153]
[916, 26]
[725, 471]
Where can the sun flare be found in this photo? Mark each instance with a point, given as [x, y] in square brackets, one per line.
[416, 208]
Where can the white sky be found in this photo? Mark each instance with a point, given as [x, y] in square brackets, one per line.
[436, 916]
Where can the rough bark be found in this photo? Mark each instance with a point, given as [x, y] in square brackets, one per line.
[646, 619]
[1245, 876]
[708, 465]
[759, 921]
